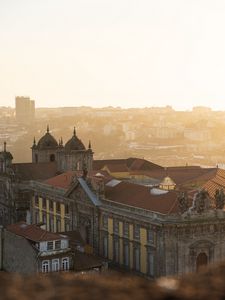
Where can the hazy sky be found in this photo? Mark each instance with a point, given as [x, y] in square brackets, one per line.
[125, 53]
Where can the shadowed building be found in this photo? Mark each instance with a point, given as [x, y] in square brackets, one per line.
[173, 226]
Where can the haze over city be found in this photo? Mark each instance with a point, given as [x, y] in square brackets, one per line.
[121, 53]
[112, 149]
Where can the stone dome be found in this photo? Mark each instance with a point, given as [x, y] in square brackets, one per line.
[47, 141]
[74, 143]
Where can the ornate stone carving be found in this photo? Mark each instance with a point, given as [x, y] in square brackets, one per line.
[219, 199]
[183, 202]
[201, 202]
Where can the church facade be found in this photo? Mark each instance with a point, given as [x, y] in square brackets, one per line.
[157, 230]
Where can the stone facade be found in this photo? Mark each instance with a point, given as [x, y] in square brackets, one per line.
[71, 156]
[150, 242]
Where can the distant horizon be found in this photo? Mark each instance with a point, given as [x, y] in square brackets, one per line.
[121, 107]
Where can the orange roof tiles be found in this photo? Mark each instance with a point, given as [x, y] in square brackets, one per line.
[180, 175]
[140, 196]
[63, 180]
[33, 232]
[215, 183]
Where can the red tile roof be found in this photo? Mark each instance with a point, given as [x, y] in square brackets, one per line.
[63, 180]
[33, 232]
[131, 163]
[217, 182]
[180, 175]
[85, 261]
[140, 196]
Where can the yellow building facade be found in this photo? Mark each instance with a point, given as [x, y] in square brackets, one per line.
[134, 249]
[51, 213]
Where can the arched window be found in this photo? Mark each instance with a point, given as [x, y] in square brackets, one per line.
[65, 264]
[201, 261]
[45, 266]
[52, 157]
[55, 265]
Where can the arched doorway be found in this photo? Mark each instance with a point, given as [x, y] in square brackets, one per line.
[201, 261]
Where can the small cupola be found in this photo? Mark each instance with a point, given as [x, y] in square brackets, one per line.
[167, 184]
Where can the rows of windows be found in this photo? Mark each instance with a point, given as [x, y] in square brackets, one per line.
[51, 205]
[136, 264]
[50, 225]
[54, 265]
[136, 231]
[54, 245]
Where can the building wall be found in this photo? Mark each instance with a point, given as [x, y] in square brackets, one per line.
[74, 160]
[166, 246]
[130, 240]
[14, 260]
[55, 220]
[43, 155]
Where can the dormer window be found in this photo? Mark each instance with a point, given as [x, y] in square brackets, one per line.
[50, 245]
[57, 245]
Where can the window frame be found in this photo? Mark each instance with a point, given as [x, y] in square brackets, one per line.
[45, 266]
[137, 229]
[105, 222]
[44, 203]
[57, 245]
[55, 262]
[58, 208]
[67, 264]
[52, 245]
[116, 226]
[126, 231]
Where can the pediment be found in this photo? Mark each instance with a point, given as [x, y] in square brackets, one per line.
[80, 191]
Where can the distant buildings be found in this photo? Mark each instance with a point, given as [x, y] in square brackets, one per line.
[25, 109]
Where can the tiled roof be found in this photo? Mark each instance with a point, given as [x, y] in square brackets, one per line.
[144, 165]
[85, 261]
[141, 196]
[75, 238]
[63, 180]
[100, 175]
[117, 167]
[35, 171]
[131, 163]
[180, 175]
[33, 232]
[215, 183]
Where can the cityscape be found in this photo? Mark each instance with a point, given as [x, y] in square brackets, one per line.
[160, 134]
[112, 149]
